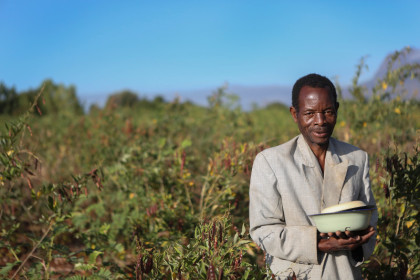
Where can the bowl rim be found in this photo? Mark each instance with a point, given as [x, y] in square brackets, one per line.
[358, 209]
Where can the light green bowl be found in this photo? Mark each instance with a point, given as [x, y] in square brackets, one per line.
[351, 220]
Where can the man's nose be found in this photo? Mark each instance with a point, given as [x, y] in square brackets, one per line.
[319, 118]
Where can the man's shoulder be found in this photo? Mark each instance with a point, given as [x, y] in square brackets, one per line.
[282, 149]
[345, 147]
[349, 151]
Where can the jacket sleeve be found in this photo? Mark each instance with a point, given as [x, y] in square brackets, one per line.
[268, 227]
[366, 196]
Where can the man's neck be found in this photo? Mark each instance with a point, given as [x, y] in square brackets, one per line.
[320, 152]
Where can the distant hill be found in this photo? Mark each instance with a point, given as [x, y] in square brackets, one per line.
[411, 86]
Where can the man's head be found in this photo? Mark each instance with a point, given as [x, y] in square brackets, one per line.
[315, 81]
[315, 109]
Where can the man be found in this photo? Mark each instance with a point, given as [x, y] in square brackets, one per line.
[303, 176]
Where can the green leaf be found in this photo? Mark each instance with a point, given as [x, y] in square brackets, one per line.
[103, 273]
[5, 270]
[196, 233]
[178, 250]
[162, 142]
[246, 274]
[104, 228]
[84, 266]
[93, 256]
[186, 143]
[243, 230]
[242, 242]
[119, 248]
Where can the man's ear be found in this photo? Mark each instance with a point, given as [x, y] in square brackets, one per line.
[293, 111]
[336, 106]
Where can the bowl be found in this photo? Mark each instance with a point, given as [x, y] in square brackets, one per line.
[352, 220]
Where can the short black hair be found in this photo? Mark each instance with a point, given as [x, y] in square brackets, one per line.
[315, 81]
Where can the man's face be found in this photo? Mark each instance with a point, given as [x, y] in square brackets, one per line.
[316, 116]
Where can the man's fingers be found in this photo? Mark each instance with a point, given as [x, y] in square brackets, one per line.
[350, 233]
[370, 229]
[351, 236]
[341, 234]
[368, 235]
[323, 234]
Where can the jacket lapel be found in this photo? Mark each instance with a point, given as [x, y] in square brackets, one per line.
[312, 172]
[334, 175]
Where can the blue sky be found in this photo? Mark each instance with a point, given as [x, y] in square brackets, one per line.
[166, 46]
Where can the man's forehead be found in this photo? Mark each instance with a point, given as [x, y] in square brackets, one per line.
[310, 96]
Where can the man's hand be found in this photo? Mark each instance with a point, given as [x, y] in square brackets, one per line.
[348, 240]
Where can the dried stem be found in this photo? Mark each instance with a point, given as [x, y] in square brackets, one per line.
[33, 250]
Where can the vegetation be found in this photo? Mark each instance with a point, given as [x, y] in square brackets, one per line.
[159, 190]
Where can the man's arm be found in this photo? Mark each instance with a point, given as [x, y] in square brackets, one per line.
[268, 227]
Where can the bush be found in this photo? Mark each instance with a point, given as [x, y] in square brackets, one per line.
[162, 192]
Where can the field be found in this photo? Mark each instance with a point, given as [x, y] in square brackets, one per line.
[155, 189]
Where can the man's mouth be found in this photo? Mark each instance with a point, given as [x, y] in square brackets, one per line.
[321, 133]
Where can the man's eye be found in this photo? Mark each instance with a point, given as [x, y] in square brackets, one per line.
[329, 112]
[309, 113]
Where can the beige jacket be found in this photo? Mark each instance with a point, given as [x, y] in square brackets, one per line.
[286, 186]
